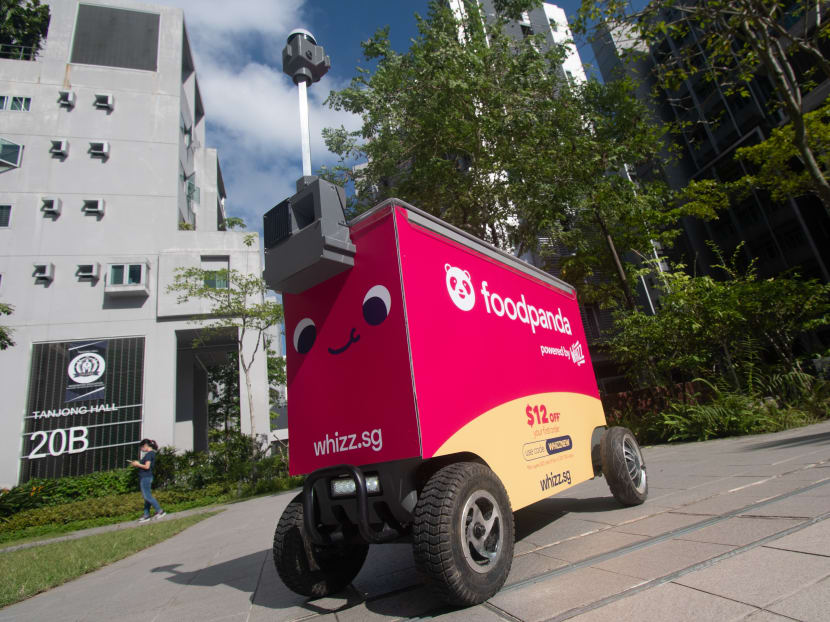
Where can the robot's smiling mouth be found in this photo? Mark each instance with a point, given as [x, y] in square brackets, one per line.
[352, 339]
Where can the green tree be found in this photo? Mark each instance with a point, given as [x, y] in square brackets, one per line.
[23, 24]
[485, 132]
[612, 219]
[735, 40]
[776, 160]
[5, 333]
[277, 379]
[236, 304]
[223, 407]
[465, 127]
[712, 328]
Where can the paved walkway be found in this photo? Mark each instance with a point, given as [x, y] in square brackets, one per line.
[733, 529]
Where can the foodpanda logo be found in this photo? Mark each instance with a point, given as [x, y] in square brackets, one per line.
[460, 287]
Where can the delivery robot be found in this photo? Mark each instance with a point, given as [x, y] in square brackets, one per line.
[436, 384]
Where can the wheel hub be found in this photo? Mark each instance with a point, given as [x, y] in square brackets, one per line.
[634, 464]
[481, 531]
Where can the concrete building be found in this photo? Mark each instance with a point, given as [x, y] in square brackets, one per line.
[106, 187]
[792, 235]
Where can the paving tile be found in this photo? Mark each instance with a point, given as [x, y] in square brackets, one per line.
[556, 595]
[814, 539]
[765, 616]
[477, 614]
[662, 558]
[759, 576]
[813, 474]
[770, 488]
[668, 602]
[398, 566]
[798, 506]
[716, 506]
[812, 604]
[536, 529]
[407, 604]
[531, 565]
[740, 530]
[659, 524]
[588, 546]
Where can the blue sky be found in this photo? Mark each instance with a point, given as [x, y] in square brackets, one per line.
[251, 106]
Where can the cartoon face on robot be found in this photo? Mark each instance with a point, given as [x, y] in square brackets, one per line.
[377, 304]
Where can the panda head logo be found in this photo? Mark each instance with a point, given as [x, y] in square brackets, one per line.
[460, 287]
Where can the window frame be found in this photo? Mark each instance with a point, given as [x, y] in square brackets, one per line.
[19, 153]
[126, 269]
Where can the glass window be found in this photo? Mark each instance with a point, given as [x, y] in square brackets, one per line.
[10, 152]
[5, 215]
[117, 275]
[134, 276]
[3, 101]
[216, 279]
[21, 103]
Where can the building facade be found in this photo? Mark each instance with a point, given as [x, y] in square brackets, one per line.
[779, 236]
[106, 188]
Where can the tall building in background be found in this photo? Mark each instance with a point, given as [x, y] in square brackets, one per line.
[781, 236]
[106, 187]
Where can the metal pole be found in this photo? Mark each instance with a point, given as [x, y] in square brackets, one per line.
[303, 91]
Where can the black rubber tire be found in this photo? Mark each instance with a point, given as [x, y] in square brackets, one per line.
[623, 466]
[439, 540]
[313, 570]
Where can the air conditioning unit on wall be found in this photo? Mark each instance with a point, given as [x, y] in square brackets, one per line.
[99, 149]
[51, 206]
[93, 206]
[89, 271]
[59, 148]
[66, 99]
[44, 272]
[104, 101]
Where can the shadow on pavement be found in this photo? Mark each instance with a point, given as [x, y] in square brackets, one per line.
[812, 439]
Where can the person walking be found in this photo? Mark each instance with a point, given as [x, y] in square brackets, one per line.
[145, 478]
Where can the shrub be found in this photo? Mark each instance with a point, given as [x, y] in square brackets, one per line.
[116, 506]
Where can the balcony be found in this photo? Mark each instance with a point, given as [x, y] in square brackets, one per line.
[17, 52]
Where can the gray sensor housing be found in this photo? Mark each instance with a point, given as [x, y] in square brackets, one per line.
[303, 59]
[307, 239]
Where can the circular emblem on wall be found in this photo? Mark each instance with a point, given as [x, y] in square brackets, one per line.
[86, 368]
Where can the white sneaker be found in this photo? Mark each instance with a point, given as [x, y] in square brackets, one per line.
[144, 519]
[161, 514]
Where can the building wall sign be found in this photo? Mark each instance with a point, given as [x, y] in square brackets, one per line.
[85, 407]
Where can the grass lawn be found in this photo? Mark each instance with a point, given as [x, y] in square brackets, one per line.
[29, 571]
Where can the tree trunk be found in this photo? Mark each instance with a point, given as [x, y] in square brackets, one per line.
[626, 287]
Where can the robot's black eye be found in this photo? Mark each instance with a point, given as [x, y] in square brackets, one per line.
[304, 335]
[376, 305]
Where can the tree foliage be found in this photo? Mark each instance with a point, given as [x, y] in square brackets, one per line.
[488, 133]
[779, 169]
[24, 23]
[236, 305]
[223, 405]
[725, 43]
[609, 214]
[715, 329]
[465, 127]
[5, 333]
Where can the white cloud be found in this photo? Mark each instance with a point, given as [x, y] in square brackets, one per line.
[251, 107]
